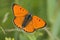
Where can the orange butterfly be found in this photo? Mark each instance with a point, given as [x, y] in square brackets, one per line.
[24, 20]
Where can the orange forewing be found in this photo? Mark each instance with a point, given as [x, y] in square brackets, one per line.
[19, 11]
[38, 22]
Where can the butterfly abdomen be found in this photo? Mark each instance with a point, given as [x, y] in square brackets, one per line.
[27, 19]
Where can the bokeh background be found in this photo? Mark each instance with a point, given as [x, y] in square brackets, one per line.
[48, 10]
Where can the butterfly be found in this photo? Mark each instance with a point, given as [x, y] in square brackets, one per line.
[26, 21]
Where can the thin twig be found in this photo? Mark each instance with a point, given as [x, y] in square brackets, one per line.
[50, 34]
[2, 30]
[10, 30]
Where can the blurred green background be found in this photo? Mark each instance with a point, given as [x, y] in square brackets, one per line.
[48, 10]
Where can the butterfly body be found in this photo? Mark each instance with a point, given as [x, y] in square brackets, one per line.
[26, 21]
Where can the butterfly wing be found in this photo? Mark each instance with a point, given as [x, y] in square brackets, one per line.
[38, 22]
[18, 21]
[19, 11]
[29, 27]
[35, 23]
[19, 14]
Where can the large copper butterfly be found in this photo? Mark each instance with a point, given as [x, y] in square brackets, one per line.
[24, 20]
